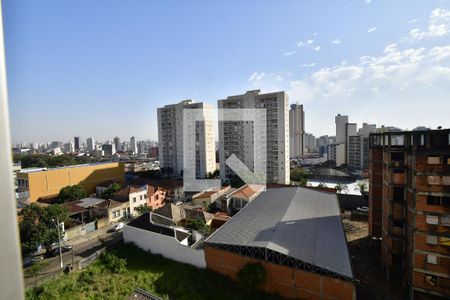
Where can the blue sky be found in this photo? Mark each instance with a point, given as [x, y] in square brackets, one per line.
[101, 68]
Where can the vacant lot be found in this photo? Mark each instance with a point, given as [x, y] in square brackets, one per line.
[367, 265]
[127, 267]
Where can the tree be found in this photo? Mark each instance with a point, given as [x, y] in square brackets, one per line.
[38, 226]
[71, 193]
[340, 187]
[300, 176]
[111, 191]
[143, 209]
[251, 276]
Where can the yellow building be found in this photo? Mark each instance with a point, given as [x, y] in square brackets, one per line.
[41, 182]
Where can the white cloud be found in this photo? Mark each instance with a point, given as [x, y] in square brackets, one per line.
[439, 53]
[372, 29]
[317, 48]
[308, 65]
[368, 1]
[257, 76]
[336, 41]
[309, 42]
[438, 26]
[315, 34]
[289, 53]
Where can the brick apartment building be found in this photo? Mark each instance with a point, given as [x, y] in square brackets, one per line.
[409, 202]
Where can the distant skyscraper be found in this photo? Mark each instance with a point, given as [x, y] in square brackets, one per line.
[108, 149]
[344, 130]
[117, 144]
[296, 130]
[237, 137]
[90, 144]
[358, 147]
[69, 147]
[141, 147]
[170, 139]
[77, 143]
[309, 141]
[133, 146]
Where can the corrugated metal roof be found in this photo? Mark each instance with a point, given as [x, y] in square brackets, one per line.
[297, 222]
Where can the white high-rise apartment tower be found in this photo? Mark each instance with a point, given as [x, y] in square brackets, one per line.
[237, 137]
[90, 144]
[170, 139]
[296, 130]
[133, 146]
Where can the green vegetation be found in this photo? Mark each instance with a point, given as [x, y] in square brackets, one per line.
[251, 276]
[300, 176]
[38, 226]
[362, 187]
[137, 268]
[340, 187]
[322, 185]
[71, 193]
[47, 161]
[143, 209]
[35, 269]
[111, 191]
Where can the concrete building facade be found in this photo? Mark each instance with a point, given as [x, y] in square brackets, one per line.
[237, 137]
[170, 139]
[296, 130]
[409, 201]
[90, 144]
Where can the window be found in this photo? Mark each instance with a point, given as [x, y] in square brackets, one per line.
[434, 160]
[433, 220]
[446, 180]
[433, 180]
[432, 259]
[422, 140]
[445, 201]
[134, 199]
[140, 197]
[445, 220]
[433, 200]
[432, 239]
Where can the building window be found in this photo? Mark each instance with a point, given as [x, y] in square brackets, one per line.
[134, 199]
[433, 220]
[446, 180]
[422, 140]
[445, 220]
[432, 239]
[433, 180]
[434, 160]
[140, 197]
[433, 200]
[432, 259]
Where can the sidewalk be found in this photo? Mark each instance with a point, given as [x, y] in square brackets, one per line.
[96, 234]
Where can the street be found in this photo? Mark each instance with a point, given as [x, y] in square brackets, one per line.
[82, 248]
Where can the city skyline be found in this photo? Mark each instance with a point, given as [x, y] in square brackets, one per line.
[80, 73]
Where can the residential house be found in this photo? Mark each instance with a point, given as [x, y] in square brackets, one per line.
[136, 195]
[114, 210]
[156, 197]
[241, 197]
[211, 196]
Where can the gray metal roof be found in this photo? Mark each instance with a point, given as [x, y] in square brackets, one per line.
[298, 222]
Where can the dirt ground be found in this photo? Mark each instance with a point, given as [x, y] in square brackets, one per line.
[366, 265]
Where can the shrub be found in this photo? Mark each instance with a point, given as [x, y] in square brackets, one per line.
[113, 263]
[251, 276]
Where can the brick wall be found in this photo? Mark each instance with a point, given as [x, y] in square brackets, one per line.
[288, 282]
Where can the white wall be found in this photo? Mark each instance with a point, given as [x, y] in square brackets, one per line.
[165, 245]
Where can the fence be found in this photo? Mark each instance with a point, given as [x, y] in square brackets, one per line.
[84, 262]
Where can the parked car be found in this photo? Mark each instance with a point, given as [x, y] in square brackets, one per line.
[55, 251]
[364, 209]
[29, 261]
[118, 227]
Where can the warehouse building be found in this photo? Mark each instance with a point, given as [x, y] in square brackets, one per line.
[297, 235]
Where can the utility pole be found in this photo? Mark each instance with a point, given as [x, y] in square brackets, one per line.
[59, 242]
